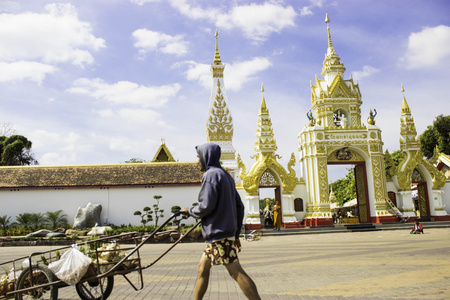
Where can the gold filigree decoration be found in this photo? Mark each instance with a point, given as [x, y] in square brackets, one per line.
[291, 163]
[355, 156]
[268, 179]
[220, 122]
[378, 179]
[251, 181]
[407, 166]
[416, 176]
[323, 180]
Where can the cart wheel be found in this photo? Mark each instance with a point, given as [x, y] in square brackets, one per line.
[90, 290]
[41, 275]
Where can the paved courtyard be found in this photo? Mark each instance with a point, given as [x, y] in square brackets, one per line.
[360, 265]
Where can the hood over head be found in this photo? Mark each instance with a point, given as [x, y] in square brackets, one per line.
[209, 154]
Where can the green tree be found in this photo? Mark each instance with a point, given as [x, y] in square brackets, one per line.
[175, 209]
[146, 216]
[4, 222]
[24, 220]
[437, 134]
[135, 160]
[157, 211]
[38, 221]
[56, 219]
[345, 188]
[16, 151]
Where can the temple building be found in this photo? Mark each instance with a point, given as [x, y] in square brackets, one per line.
[335, 133]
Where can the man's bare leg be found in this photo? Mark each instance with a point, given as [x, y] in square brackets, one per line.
[201, 285]
[246, 284]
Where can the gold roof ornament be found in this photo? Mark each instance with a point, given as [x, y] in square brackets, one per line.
[405, 106]
[217, 60]
[163, 154]
[331, 63]
[219, 125]
[332, 195]
[408, 133]
[266, 164]
[265, 141]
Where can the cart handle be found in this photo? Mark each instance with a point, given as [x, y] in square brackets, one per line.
[118, 264]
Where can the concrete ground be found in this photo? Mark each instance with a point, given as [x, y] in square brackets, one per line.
[390, 264]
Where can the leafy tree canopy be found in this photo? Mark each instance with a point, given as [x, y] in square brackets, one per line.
[135, 160]
[16, 151]
[437, 134]
[345, 188]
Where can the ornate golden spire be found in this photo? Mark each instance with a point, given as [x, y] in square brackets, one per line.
[217, 60]
[265, 141]
[405, 106]
[219, 126]
[408, 133]
[330, 44]
[331, 64]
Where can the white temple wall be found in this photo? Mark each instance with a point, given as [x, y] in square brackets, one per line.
[300, 191]
[446, 196]
[118, 204]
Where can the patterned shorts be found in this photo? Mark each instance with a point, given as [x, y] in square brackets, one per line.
[221, 252]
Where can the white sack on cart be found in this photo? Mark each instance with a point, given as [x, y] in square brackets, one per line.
[71, 267]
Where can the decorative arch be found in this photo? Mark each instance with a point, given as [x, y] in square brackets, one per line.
[407, 166]
[267, 163]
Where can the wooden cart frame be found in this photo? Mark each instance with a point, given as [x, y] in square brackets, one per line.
[36, 281]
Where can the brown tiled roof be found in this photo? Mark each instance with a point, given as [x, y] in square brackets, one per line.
[173, 173]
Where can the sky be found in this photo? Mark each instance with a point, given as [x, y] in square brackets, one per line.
[100, 82]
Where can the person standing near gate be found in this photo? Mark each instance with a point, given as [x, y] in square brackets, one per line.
[277, 215]
[221, 211]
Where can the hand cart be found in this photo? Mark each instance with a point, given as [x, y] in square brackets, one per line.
[36, 281]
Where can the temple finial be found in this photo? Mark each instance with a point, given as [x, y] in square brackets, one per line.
[403, 90]
[330, 44]
[262, 87]
[217, 60]
[327, 20]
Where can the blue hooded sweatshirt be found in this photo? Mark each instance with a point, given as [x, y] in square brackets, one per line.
[219, 204]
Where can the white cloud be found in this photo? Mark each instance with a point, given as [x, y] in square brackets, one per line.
[307, 10]
[53, 37]
[22, 70]
[148, 40]
[125, 92]
[64, 146]
[242, 72]
[428, 48]
[366, 72]
[142, 2]
[236, 75]
[257, 21]
[194, 13]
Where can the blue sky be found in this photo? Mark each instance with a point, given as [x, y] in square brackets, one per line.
[94, 82]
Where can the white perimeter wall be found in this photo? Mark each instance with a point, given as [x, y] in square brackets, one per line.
[118, 204]
[446, 196]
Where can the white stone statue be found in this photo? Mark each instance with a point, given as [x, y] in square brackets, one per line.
[343, 121]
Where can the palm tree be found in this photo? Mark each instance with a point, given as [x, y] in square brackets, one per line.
[56, 219]
[38, 221]
[4, 222]
[23, 220]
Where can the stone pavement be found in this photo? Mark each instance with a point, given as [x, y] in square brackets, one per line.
[390, 264]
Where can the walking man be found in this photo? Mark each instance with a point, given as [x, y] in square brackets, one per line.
[221, 211]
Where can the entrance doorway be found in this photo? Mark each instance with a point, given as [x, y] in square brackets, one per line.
[420, 195]
[268, 196]
[356, 209]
